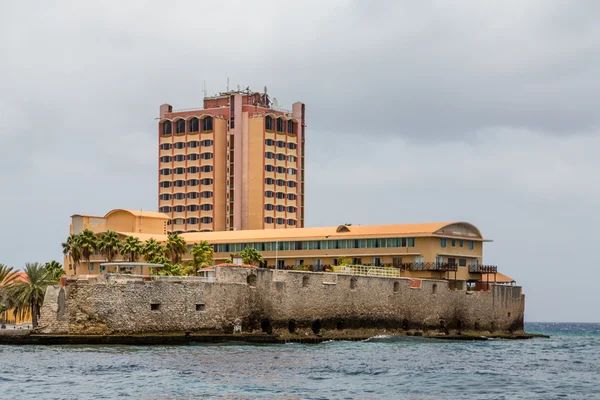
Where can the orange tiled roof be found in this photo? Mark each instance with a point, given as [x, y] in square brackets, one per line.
[20, 277]
[498, 278]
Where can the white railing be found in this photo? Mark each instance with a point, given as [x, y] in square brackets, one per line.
[366, 270]
[163, 277]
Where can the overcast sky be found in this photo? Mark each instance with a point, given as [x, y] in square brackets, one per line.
[462, 110]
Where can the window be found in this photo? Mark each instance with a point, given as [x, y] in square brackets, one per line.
[291, 222]
[411, 242]
[269, 142]
[377, 261]
[206, 168]
[165, 171]
[439, 260]
[280, 157]
[291, 196]
[179, 209]
[193, 157]
[179, 158]
[193, 144]
[269, 155]
[193, 182]
[192, 221]
[207, 124]
[292, 158]
[291, 127]
[462, 262]
[471, 245]
[451, 261]
[179, 196]
[280, 182]
[280, 208]
[443, 242]
[206, 194]
[291, 171]
[193, 125]
[179, 183]
[206, 207]
[292, 184]
[357, 261]
[206, 156]
[193, 195]
[268, 123]
[396, 261]
[269, 207]
[179, 145]
[206, 181]
[281, 144]
[280, 170]
[207, 143]
[453, 242]
[165, 184]
[165, 209]
[269, 194]
[280, 221]
[165, 159]
[269, 181]
[179, 171]
[269, 168]
[165, 196]
[180, 126]
[166, 146]
[268, 220]
[461, 243]
[280, 125]
[154, 306]
[206, 220]
[280, 195]
[193, 170]
[291, 209]
[166, 128]
[292, 146]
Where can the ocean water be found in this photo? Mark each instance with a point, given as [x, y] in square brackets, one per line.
[566, 366]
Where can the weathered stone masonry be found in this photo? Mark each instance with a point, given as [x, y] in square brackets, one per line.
[268, 300]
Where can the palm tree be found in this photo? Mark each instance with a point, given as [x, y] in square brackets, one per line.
[131, 247]
[202, 255]
[7, 277]
[88, 243]
[109, 245]
[175, 248]
[28, 295]
[251, 256]
[72, 250]
[153, 251]
[55, 268]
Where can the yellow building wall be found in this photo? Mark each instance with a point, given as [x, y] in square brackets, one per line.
[121, 221]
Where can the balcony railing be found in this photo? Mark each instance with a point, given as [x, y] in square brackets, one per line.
[428, 266]
[483, 269]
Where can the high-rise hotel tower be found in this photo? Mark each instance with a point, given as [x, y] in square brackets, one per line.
[236, 164]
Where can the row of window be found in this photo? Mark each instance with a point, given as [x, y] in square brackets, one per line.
[281, 144]
[461, 243]
[182, 170]
[280, 170]
[280, 182]
[191, 207]
[181, 196]
[181, 157]
[192, 144]
[316, 244]
[280, 208]
[279, 195]
[193, 125]
[280, 124]
[191, 220]
[280, 221]
[189, 182]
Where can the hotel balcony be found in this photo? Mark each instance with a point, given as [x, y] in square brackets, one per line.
[483, 269]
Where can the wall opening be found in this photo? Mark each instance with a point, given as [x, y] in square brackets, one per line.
[292, 326]
[316, 326]
[434, 288]
[200, 307]
[508, 315]
[340, 325]
[396, 287]
[265, 326]
[154, 306]
[352, 283]
[304, 281]
[251, 280]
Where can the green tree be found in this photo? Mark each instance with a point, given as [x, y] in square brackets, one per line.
[88, 243]
[345, 261]
[202, 256]
[131, 248]
[55, 268]
[7, 277]
[28, 295]
[72, 250]
[109, 245]
[153, 251]
[251, 256]
[175, 248]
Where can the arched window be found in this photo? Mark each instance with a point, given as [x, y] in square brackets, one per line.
[179, 196]
[206, 156]
[269, 142]
[193, 182]
[291, 222]
[180, 126]
[292, 184]
[280, 125]
[269, 181]
[179, 145]
[166, 146]
[207, 143]
[291, 127]
[268, 220]
[165, 184]
[179, 183]
[165, 159]
[280, 208]
[206, 168]
[206, 181]
[269, 194]
[165, 209]
[166, 128]
[206, 194]
[280, 221]
[179, 158]
[179, 209]
[193, 125]
[193, 170]
[268, 123]
[269, 207]
[206, 220]
[269, 168]
[192, 221]
[291, 209]
[165, 196]
[165, 171]
[179, 171]
[192, 207]
[193, 157]
[193, 144]
[207, 124]
[292, 146]
[281, 144]
[193, 195]
[269, 155]
[206, 207]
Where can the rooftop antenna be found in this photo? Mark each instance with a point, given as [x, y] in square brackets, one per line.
[228, 84]
[275, 102]
[238, 87]
[204, 89]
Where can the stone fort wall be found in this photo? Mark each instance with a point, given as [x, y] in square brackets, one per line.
[275, 301]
